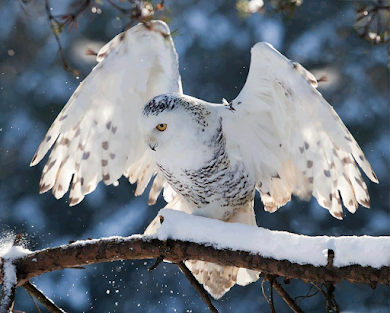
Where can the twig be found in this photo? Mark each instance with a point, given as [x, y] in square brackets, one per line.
[271, 298]
[48, 303]
[117, 7]
[285, 296]
[157, 263]
[270, 301]
[319, 289]
[198, 287]
[331, 304]
[35, 303]
[368, 16]
[71, 19]
[53, 23]
[308, 295]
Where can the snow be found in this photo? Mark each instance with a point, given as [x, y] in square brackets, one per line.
[255, 5]
[8, 253]
[279, 245]
[118, 239]
[9, 282]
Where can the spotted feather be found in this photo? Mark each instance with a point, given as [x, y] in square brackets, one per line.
[314, 146]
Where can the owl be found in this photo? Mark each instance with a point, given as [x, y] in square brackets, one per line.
[278, 137]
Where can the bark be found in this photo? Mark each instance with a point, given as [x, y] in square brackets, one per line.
[138, 247]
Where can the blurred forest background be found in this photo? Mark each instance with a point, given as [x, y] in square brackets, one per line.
[213, 40]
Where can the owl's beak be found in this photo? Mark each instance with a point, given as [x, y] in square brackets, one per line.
[152, 143]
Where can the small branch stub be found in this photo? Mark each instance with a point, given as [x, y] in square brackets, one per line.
[330, 258]
[157, 263]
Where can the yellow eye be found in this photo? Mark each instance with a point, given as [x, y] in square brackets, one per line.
[161, 127]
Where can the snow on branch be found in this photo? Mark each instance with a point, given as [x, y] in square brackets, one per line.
[278, 245]
[9, 252]
[187, 237]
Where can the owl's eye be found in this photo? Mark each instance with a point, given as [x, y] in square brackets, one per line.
[161, 127]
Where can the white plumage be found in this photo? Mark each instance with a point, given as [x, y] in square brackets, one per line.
[278, 136]
[96, 134]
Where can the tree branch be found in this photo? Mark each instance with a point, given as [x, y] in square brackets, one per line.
[87, 252]
[48, 303]
[198, 287]
[285, 296]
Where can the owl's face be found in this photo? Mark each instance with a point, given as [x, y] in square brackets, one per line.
[174, 123]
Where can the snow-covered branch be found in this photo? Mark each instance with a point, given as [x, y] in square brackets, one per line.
[186, 237]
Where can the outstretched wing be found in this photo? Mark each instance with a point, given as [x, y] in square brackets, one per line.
[292, 139]
[96, 135]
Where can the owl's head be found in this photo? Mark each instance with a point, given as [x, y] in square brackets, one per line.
[175, 120]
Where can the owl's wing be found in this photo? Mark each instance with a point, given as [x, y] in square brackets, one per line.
[292, 139]
[96, 135]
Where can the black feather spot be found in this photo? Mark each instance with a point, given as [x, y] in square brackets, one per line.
[359, 182]
[86, 155]
[327, 173]
[338, 215]
[51, 164]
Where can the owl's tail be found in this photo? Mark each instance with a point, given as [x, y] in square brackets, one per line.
[216, 279]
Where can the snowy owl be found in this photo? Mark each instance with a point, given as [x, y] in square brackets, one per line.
[130, 117]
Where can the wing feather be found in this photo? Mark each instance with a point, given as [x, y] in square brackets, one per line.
[292, 139]
[96, 136]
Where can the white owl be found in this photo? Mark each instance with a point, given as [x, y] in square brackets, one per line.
[130, 117]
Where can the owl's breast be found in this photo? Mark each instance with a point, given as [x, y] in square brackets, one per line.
[219, 182]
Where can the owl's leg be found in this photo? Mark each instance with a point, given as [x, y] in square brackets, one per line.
[215, 211]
